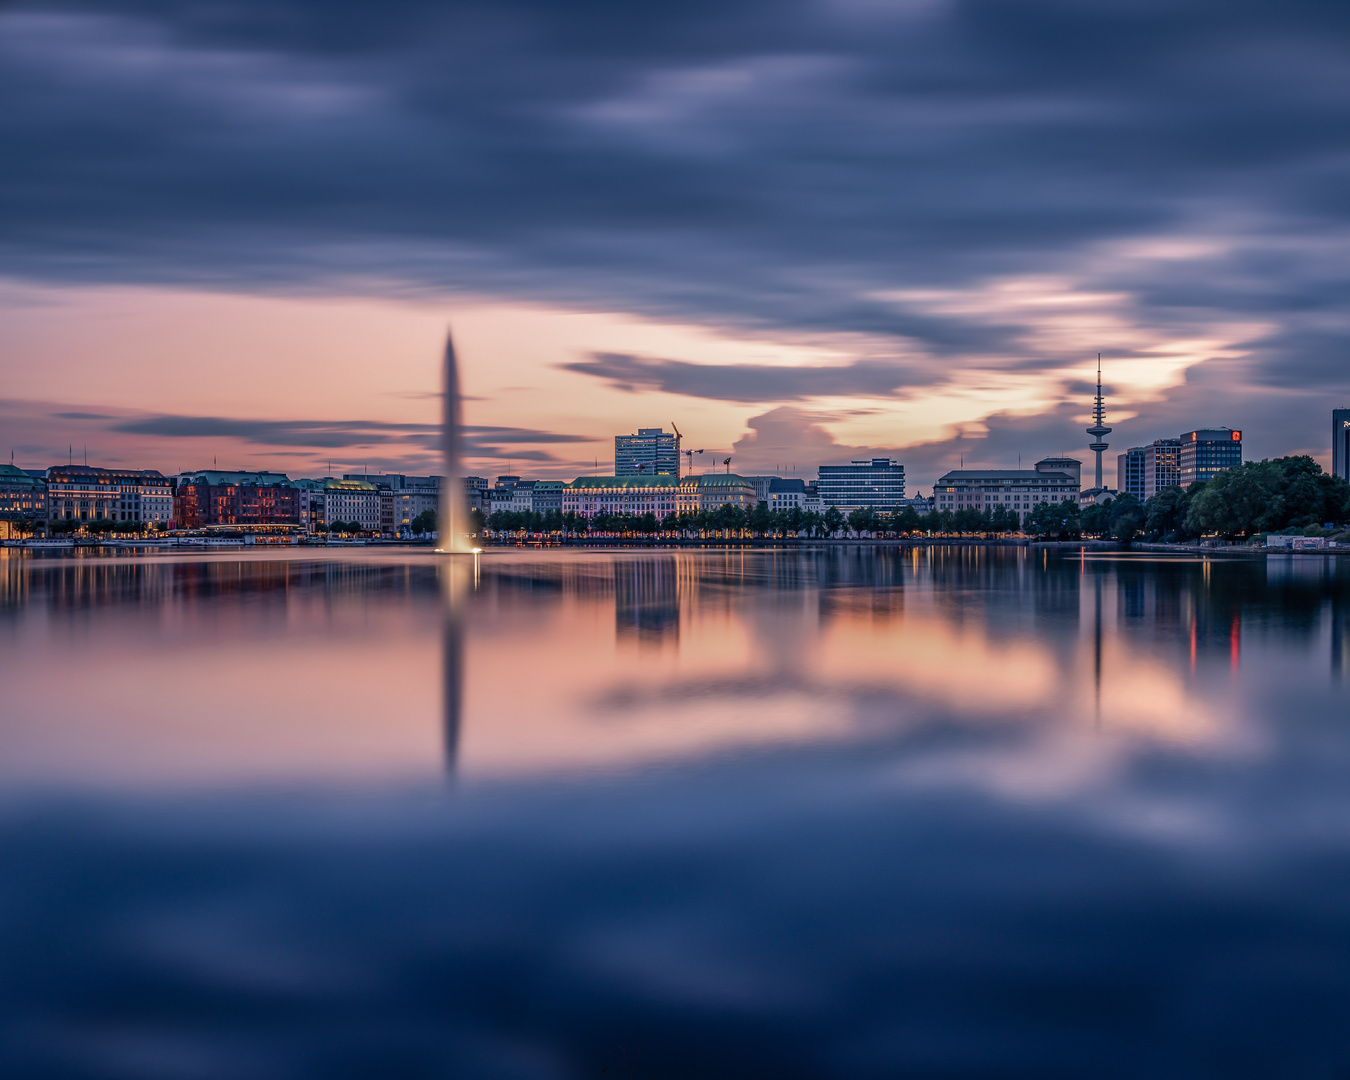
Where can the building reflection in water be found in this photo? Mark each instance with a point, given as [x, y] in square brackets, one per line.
[248, 666]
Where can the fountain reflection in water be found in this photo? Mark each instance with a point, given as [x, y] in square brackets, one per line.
[452, 526]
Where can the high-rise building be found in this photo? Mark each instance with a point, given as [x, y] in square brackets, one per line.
[1340, 443]
[1130, 471]
[1207, 452]
[1143, 471]
[878, 483]
[651, 452]
[1162, 466]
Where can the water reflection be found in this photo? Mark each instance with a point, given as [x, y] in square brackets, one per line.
[862, 814]
[241, 667]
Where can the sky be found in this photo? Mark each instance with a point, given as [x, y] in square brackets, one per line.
[238, 233]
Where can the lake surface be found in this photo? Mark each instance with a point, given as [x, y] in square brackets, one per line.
[846, 812]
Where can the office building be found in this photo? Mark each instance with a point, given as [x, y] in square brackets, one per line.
[216, 497]
[1162, 466]
[1340, 443]
[1052, 481]
[84, 493]
[1207, 452]
[1143, 471]
[1130, 471]
[651, 452]
[878, 483]
[546, 496]
[784, 494]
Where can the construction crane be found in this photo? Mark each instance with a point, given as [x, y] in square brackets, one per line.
[687, 453]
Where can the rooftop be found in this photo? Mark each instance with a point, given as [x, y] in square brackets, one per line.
[1003, 474]
[623, 482]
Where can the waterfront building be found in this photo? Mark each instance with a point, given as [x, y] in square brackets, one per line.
[1052, 481]
[85, 493]
[476, 493]
[878, 483]
[634, 494]
[651, 452]
[921, 505]
[720, 489]
[1207, 452]
[217, 497]
[23, 500]
[1340, 443]
[546, 496]
[402, 499]
[659, 495]
[1130, 471]
[784, 494]
[522, 497]
[352, 501]
[762, 484]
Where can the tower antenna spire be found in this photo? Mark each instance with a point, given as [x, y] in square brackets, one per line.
[1099, 428]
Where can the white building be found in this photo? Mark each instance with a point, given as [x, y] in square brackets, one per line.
[352, 501]
[1052, 481]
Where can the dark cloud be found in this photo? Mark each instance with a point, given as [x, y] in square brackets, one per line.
[797, 165]
[322, 434]
[753, 382]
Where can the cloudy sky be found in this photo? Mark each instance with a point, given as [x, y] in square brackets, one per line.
[802, 231]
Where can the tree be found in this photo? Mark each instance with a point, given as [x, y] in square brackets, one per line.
[1095, 520]
[834, 520]
[1165, 514]
[1267, 496]
[1057, 521]
[424, 522]
[908, 520]
[1003, 520]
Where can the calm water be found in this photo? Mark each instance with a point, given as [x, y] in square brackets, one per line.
[847, 813]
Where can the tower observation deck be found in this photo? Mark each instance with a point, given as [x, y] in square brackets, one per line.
[1098, 428]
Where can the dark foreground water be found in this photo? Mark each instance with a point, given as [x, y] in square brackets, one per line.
[711, 814]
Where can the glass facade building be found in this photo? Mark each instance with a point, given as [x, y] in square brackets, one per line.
[1340, 443]
[651, 452]
[1208, 452]
[879, 483]
[1130, 472]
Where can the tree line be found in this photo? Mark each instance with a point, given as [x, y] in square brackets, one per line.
[1280, 494]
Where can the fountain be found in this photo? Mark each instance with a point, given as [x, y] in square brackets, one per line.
[454, 514]
[457, 577]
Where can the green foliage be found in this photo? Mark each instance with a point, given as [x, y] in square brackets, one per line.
[1267, 496]
[424, 522]
[1053, 521]
[834, 520]
[1165, 514]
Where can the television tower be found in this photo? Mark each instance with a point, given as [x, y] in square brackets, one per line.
[1098, 428]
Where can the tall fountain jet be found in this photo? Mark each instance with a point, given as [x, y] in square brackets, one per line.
[1098, 428]
[454, 515]
[453, 526]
